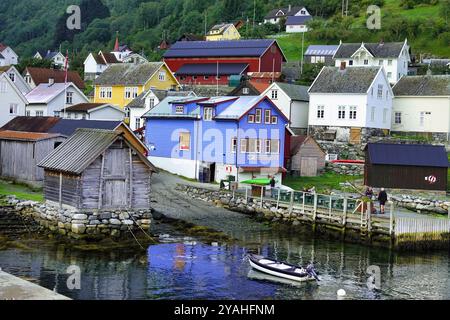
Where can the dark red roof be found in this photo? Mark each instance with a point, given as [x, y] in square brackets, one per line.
[42, 75]
[84, 107]
[2, 47]
[26, 136]
[110, 57]
[31, 124]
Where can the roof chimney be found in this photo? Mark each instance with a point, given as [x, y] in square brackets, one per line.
[51, 81]
[381, 41]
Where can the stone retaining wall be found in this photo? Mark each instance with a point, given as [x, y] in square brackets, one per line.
[86, 224]
[421, 205]
[346, 168]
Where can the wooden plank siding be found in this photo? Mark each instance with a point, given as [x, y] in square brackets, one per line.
[70, 188]
[309, 149]
[19, 159]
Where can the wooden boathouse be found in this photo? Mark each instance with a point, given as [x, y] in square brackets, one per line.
[98, 170]
[406, 166]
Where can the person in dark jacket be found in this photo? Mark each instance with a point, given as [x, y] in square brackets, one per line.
[382, 198]
[272, 187]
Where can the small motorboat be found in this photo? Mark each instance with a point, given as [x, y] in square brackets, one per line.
[283, 269]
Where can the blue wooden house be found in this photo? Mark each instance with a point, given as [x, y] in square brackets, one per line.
[212, 138]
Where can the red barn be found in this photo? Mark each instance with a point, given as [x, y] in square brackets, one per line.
[197, 62]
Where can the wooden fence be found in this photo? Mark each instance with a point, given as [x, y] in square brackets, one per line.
[421, 225]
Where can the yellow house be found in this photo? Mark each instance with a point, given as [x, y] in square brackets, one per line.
[224, 31]
[120, 83]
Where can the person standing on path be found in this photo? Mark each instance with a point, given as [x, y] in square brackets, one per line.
[272, 186]
[382, 198]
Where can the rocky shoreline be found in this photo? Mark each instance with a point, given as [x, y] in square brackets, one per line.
[421, 205]
[90, 225]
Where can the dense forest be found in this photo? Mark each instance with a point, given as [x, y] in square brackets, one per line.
[30, 25]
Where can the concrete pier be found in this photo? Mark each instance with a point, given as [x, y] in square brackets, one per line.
[13, 288]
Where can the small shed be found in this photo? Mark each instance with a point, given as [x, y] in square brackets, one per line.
[406, 166]
[20, 152]
[98, 170]
[307, 157]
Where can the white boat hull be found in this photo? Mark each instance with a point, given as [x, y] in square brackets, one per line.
[280, 274]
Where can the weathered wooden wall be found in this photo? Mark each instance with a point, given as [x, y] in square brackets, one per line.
[19, 159]
[70, 189]
[310, 150]
[115, 182]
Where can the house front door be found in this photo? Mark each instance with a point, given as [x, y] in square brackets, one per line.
[115, 180]
[309, 167]
[355, 135]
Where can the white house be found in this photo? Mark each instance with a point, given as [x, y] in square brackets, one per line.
[135, 58]
[394, 57]
[49, 99]
[350, 104]
[17, 78]
[276, 15]
[422, 106]
[93, 111]
[56, 57]
[147, 101]
[7, 56]
[96, 64]
[297, 24]
[293, 101]
[12, 100]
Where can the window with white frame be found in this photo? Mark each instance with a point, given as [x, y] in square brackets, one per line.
[267, 145]
[380, 91]
[422, 119]
[179, 109]
[13, 108]
[389, 62]
[352, 113]
[137, 123]
[69, 97]
[274, 120]
[274, 94]
[106, 92]
[366, 62]
[389, 75]
[185, 141]
[208, 114]
[39, 113]
[398, 118]
[151, 103]
[131, 92]
[244, 145]
[12, 76]
[258, 145]
[380, 62]
[267, 116]
[233, 145]
[258, 115]
[251, 118]
[372, 114]
[341, 112]
[162, 76]
[245, 91]
[320, 112]
[28, 113]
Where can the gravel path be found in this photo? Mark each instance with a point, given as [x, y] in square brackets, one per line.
[177, 205]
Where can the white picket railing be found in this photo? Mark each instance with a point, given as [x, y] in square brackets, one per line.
[421, 225]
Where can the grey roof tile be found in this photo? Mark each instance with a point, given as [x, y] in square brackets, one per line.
[128, 73]
[434, 85]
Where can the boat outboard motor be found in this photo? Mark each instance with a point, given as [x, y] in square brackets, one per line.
[312, 271]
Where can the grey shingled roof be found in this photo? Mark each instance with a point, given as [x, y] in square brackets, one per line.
[273, 13]
[295, 92]
[138, 102]
[378, 50]
[128, 73]
[80, 150]
[438, 85]
[355, 80]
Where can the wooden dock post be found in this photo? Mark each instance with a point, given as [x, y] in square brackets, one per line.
[278, 199]
[303, 207]
[344, 218]
[391, 220]
[262, 197]
[315, 208]
[330, 207]
[369, 220]
[246, 195]
[291, 204]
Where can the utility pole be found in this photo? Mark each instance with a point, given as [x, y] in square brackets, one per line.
[206, 20]
[346, 9]
[254, 17]
[343, 5]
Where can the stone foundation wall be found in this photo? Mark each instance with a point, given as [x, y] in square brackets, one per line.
[346, 169]
[85, 224]
[421, 205]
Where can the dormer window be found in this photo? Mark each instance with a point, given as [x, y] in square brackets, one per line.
[245, 91]
[12, 76]
[208, 114]
[179, 109]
